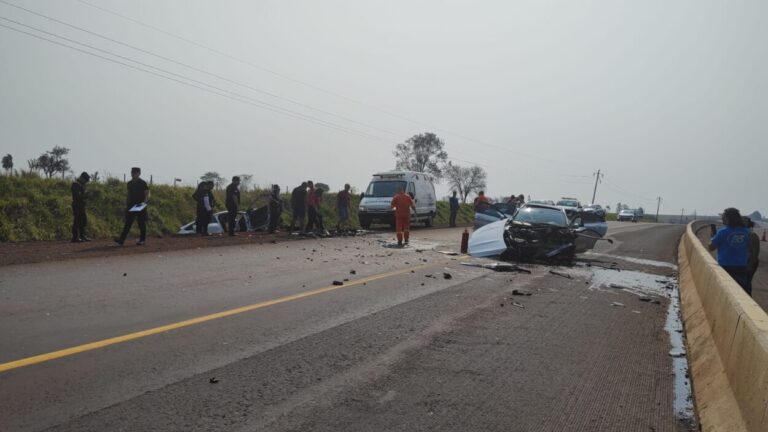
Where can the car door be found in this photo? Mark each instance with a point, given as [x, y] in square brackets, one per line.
[590, 227]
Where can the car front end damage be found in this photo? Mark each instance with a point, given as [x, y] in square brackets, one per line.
[538, 242]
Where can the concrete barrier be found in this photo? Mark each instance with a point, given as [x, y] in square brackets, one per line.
[727, 338]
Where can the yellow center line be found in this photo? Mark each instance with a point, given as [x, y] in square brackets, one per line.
[186, 323]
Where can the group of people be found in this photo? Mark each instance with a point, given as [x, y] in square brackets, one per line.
[738, 247]
[306, 200]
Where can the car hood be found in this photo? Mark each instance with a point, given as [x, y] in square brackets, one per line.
[488, 240]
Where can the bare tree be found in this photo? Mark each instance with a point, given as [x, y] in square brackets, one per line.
[213, 176]
[245, 181]
[466, 180]
[422, 153]
[51, 162]
[8, 163]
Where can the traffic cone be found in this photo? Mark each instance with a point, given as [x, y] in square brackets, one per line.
[464, 241]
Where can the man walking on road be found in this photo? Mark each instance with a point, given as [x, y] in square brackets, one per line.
[732, 243]
[402, 203]
[343, 207]
[299, 206]
[80, 219]
[233, 204]
[454, 203]
[138, 195]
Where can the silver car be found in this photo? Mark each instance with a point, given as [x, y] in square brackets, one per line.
[251, 220]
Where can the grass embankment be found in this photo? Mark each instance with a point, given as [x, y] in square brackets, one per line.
[35, 208]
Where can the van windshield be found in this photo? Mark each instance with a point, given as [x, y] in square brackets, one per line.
[386, 188]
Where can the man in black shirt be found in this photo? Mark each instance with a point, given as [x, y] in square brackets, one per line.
[299, 205]
[80, 220]
[233, 204]
[275, 209]
[138, 193]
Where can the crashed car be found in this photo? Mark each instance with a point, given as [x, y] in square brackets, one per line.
[539, 233]
[251, 220]
[492, 213]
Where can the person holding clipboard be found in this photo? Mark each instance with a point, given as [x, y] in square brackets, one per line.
[136, 207]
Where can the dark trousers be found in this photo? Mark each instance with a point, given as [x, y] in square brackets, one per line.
[740, 275]
[141, 217]
[454, 212]
[231, 219]
[314, 219]
[80, 220]
[203, 219]
[750, 275]
[274, 219]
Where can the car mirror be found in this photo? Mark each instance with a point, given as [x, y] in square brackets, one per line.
[362, 195]
[577, 222]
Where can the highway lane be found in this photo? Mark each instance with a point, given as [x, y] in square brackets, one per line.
[374, 355]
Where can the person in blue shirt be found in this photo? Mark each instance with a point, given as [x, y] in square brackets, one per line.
[454, 202]
[732, 245]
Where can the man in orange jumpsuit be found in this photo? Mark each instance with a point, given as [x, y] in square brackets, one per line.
[402, 203]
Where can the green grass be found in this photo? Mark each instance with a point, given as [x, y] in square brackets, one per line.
[35, 208]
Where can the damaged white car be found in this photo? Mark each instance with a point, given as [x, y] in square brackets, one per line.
[251, 220]
[539, 233]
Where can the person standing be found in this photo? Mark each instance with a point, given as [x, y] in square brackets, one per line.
[206, 208]
[138, 194]
[343, 207]
[199, 208]
[402, 203]
[80, 219]
[481, 202]
[232, 203]
[453, 201]
[299, 206]
[753, 258]
[732, 243]
[275, 209]
[312, 209]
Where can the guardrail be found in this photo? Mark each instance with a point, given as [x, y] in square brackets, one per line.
[727, 337]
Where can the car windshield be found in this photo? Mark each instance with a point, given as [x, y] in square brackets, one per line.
[568, 203]
[386, 188]
[540, 215]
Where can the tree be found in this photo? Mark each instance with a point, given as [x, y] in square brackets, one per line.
[95, 177]
[51, 162]
[465, 180]
[618, 208]
[214, 177]
[422, 153]
[8, 163]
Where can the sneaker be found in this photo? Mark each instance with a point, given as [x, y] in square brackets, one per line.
[85, 239]
[399, 244]
[118, 241]
[140, 243]
[77, 241]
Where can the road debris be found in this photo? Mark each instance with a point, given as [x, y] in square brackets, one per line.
[213, 380]
[561, 274]
[520, 305]
[338, 283]
[645, 299]
[618, 286]
[499, 267]
[447, 276]
[448, 253]
[677, 353]
[521, 292]
[352, 272]
[617, 304]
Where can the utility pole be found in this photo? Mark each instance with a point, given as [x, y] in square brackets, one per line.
[681, 215]
[598, 176]
[658, 205]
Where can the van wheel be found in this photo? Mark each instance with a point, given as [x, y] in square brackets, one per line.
[365, 223]
[428, 222]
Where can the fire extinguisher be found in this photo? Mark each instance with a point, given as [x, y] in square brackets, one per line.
[464, 241]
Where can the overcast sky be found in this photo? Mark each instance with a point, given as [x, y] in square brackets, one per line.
[667, 98]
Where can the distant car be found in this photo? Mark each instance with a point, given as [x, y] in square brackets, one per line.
[597, 208]
[251, 220]
[569, 204]
[628, 215]
[492, 213]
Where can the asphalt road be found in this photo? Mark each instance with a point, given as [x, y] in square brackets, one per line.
[257, 337]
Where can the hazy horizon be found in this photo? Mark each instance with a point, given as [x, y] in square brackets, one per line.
[664, 98]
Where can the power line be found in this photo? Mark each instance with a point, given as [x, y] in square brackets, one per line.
[208, 88]
[216, 91]
[196, 69]
[304, 83]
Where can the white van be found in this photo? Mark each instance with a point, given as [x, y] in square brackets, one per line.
[377, 198]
